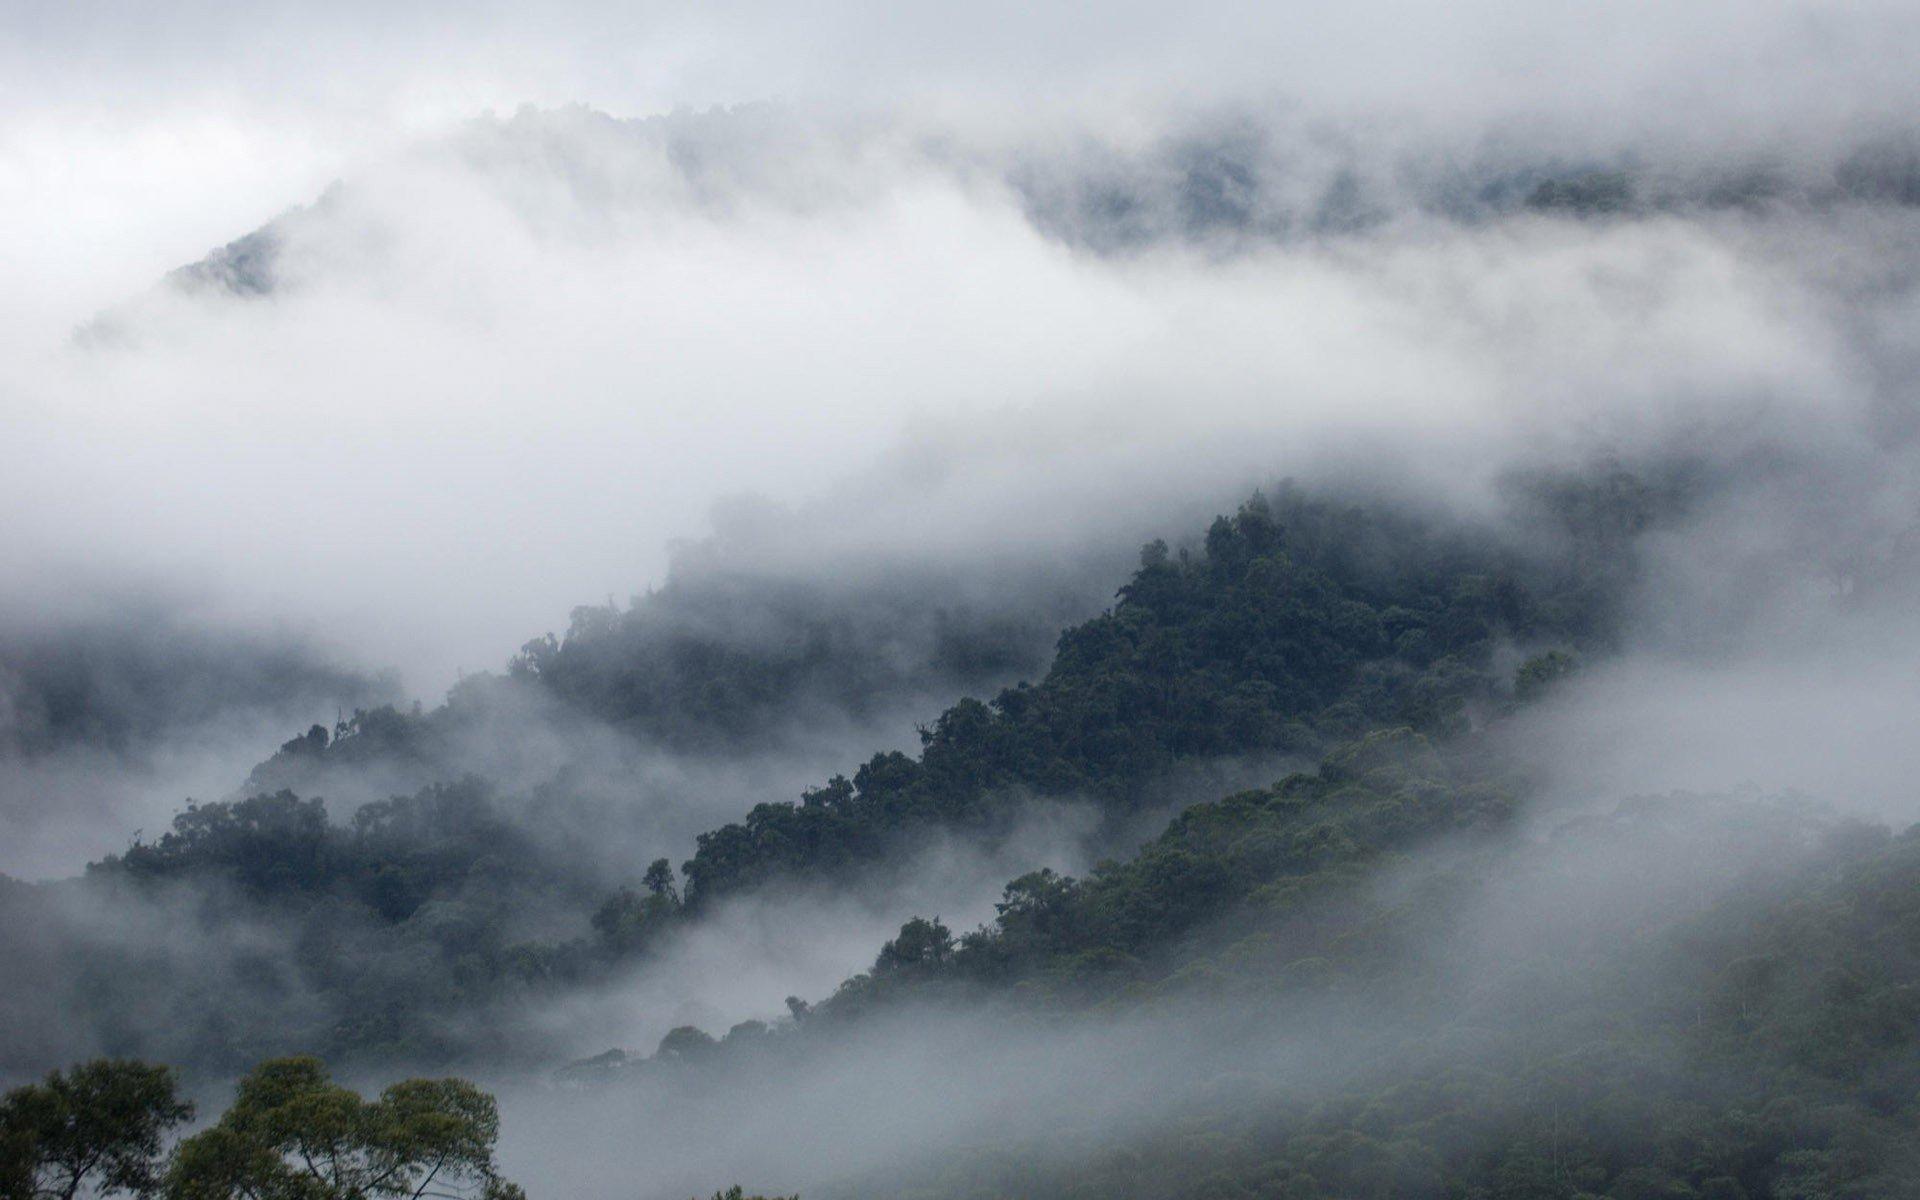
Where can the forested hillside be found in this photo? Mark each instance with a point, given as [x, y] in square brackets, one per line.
[418, 927]
[1382, 985]
[721, 662]
[1293, 625]
[1490, 1014]
[1748, 1029]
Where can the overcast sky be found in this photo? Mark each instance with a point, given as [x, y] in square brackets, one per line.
[498, 393]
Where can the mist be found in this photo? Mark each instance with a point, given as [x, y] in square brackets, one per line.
[496, 501]
[1517, 954]
[114, 706]
[571, 335]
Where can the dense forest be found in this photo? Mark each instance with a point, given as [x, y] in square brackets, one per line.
[415, 927]
[1290, 628]
[1741, 1025]
[101, 1128]
[724, 660]
[1746, 1023]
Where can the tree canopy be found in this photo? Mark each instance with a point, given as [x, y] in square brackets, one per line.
[293, 1133]
[94, 1129]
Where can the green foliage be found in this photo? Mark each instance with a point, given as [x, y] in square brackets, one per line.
[294, 1134]
[1756, 1032]
[394, 856]
[382, 928]
[627, 921]
[95, 1129]
[716, 661]
[1542, 673]
[922, 944]
[659, 881]
[1300, 624]
[1750, 1029]
[1296, 626]
[1258, 856]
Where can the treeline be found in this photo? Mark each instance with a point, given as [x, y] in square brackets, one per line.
[407, 935]
[1688, 998]
[100, 1129]
[1691, 997]
[1760, 1040]
[1265, 859]
[1297, 624]
[724, 661]
[413, 932]
[710, 663]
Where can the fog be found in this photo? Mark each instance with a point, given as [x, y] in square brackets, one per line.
[1520, 946]
[525, 354]
[114, 705]
[539, 420]
[346, 348]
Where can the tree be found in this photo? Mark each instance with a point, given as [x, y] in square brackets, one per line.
[293, 1134]
[1541, 673]
[626, 921]
[922, 943]
[686, 1042]
[97, 1127]
[659, 881]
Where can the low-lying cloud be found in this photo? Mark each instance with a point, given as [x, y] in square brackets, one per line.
[981, 302]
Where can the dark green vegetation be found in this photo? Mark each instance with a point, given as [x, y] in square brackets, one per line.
[1296, 625]
[260, 926]
[99, 1129]
[95, 1129]
[1686, 997]
[1275, 861]
[1762, 1040]
[420, 928]
[719, 662]
[293, 1132]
